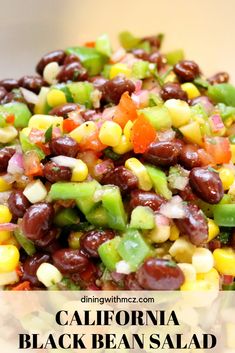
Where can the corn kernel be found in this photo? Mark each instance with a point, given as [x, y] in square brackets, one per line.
[48, 274]
[35, 191]
[211, 276]
[7, 134]
[188, 271]
[4, 236]
[50, 72]
[140, 172]
[202, 260]
[124, 146]
[56, 97]
[227, 177]
[39, 108]
[175, 233]
[118, 69]
[43, 122]
[225, 261]
[9, 258]
[5, 214]
[4, 186]
[110, 133]
[232, 148]
[213, 230]
[80, 171]
[83, 130]
[182, 250]
[8, 278]
[11, 241]
[190, 89]
[198, 286]
[179, 111]
[128, 129]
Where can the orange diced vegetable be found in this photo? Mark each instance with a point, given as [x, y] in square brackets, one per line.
[125, 110]
[143, 134]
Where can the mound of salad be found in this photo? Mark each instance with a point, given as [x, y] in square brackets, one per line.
[117, 172]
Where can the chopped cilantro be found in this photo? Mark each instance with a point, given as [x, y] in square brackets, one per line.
[48, 134]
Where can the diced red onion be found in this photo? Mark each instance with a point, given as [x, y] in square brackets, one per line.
[15, 164]
[4, 196]
[108, 113]
[95, 98]
[123, 267]
[56, 132]
[129, 59]
[174, 208]
[141, 98]
[118, 55]
[65, 161]
[216, 123]
[138, 85]
[167, 135]
[117, 277]
[36, 135]
[161, 220]
[205, 102]
[8, 227]
[103, 167]
[178, 182]
[29, 96]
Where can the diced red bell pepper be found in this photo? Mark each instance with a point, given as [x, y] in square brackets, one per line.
[125, 110]
[143, 134]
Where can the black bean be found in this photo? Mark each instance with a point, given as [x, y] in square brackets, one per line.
[18, 203]
[186, 70]
[32, 83]
[173, 91]
[65, 146]
[56, 55]
[54, 173]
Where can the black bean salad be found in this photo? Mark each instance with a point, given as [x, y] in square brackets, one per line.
[117, 172]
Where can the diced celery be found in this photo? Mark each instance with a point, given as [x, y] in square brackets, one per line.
[109, 254]
[20, 111]
[140, 70]
[133, 249]
[112, 202]
[174, 56]
[81, 93]
[98, 217]
[26, 244]
[142, 218]
[159, 117]
[91, 59]
[66, 217]
[222, 93]
[103, 45]
[128, 41]
[159, 180]
[26, 145]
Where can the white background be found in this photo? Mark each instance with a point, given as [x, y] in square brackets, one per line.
[29, 28]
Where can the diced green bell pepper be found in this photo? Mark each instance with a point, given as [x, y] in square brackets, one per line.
[81, 192]
[142, 218]
[224, 215]
[109, 254]
[91, 59]
[66, 217]
[20, 111]
[222, 93]
[112, 202]
[26, 145]
[159, 117]
[174, 57]
[103, 45]
[98, 217]
[81, 92]
[140, 70]
[226, 111]
[26, 244]
[128, 41]
[133, 249]
[159, 180]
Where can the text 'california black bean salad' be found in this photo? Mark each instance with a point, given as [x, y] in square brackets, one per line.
[117, 172]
